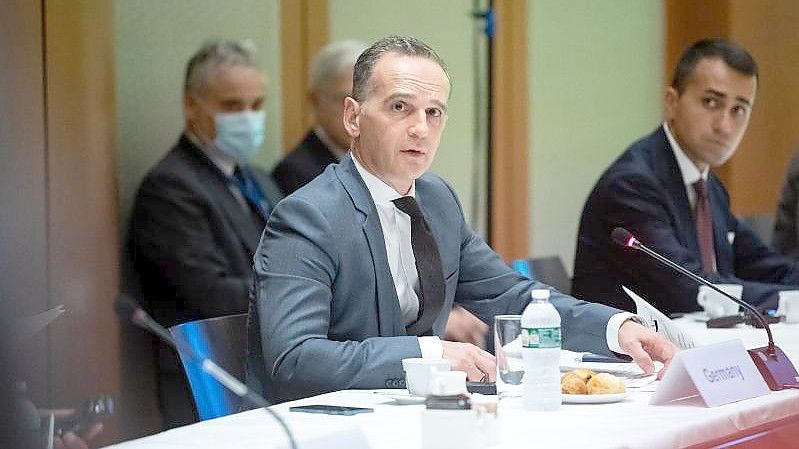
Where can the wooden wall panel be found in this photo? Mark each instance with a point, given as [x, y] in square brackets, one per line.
[758, 168]
[304, 32]
[23, 195]
[510, 183]
[82, 226]
[688, 21]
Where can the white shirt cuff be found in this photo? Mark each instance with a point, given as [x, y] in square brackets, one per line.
[612, 332]
[432, 348]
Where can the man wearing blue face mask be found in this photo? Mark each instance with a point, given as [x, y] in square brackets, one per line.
[200, 211]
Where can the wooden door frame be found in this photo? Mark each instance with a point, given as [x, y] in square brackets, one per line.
[305, 31]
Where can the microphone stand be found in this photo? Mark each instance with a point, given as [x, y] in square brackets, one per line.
[139, 317]
[775, 367]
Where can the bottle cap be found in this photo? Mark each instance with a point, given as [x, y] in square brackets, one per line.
[540, 294]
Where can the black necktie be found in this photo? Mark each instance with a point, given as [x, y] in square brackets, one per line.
[428, 266]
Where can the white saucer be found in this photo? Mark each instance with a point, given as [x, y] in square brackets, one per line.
[401, 397]
[594, 398]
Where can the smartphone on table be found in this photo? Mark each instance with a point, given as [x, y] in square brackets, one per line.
[331, 409]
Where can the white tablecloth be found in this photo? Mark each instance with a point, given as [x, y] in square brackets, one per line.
[628, 424]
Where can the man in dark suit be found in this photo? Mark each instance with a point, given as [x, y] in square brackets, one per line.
[360, 268]
[329, 81]
[661, 189]
[200, 211]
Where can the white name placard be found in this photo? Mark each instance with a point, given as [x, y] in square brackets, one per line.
[719, 374]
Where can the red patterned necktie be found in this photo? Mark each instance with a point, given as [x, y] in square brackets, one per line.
[704, 226]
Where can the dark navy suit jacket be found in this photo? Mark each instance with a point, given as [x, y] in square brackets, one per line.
[303, 164]
[643, 191]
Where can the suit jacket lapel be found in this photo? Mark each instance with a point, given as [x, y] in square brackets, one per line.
[217, 188]
[718, 210]
[388, 311]
[665, 165]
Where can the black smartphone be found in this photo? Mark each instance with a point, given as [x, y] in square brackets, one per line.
[85, 416]
[487, 388]
[331, 409]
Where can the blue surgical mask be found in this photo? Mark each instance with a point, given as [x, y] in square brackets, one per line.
[240, 134]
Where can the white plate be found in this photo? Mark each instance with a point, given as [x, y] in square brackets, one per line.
[594, 398]
[402, 397]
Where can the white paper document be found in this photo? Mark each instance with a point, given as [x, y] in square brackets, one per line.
[660, 322]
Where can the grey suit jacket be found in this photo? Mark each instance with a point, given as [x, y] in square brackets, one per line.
[326, 312]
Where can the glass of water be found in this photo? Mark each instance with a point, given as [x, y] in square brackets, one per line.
[508, 350]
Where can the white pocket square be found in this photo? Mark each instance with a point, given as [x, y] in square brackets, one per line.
[730, 237]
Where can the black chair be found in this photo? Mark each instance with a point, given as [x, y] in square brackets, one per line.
[761, 225]
[223, 340]
[549, 270]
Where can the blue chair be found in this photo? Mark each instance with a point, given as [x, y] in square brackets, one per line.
[549, 270]
[223, 340]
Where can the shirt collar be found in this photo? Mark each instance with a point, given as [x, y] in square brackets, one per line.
[381, 192]
[223, 162]
[337, 151]
[690, 174]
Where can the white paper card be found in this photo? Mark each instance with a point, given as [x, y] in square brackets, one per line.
[719, 373]
[661, 323]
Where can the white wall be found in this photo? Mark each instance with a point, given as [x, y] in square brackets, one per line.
[154, 40]
[595, 87]
[447, 26]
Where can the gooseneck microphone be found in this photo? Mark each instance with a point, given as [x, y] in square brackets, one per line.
[129, 310]
[777, 370]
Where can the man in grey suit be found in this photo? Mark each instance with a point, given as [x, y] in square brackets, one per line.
[358, 269]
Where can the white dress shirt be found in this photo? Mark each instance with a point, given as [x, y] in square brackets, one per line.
[690, 174]
[396, 227]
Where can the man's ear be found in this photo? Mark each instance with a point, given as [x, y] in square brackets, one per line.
[670, 99]
[190, 108]
[314, 99]
[351, 118]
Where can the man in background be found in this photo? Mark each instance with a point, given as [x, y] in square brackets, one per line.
[200, 211]
[330, 81]
[661, 189]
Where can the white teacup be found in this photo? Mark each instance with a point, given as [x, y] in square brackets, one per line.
[717, 305]
[419, 373]
[789, 306]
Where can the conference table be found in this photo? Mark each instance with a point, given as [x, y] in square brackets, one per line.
[766, 421]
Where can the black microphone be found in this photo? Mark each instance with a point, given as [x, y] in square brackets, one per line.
[775, 367]
[130, 310]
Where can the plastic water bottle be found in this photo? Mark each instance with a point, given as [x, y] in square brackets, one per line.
[541, 354]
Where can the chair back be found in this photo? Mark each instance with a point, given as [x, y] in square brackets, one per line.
[762, 225]
[222, 340]
[549, 270]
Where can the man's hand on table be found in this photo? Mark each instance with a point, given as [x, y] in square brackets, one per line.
[645, 345]
[478, 364]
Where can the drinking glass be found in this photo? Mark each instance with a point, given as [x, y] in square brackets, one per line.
[508, 350]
